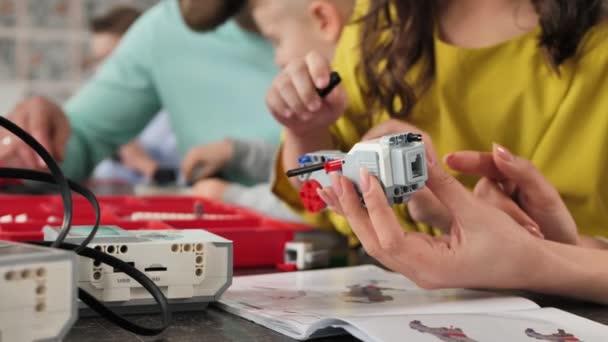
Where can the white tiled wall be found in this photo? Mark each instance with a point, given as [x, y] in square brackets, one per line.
[43, 45]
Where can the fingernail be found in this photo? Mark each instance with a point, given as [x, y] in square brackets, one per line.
[288, 114]
[335, 184]
[364, 180]
[503, 153]
[535, 231]
[448, 158]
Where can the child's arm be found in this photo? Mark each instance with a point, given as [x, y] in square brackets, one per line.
[252, 159]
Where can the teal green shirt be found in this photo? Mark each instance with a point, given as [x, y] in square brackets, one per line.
[212, 84]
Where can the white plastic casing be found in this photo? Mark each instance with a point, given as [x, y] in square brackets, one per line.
[37, 293]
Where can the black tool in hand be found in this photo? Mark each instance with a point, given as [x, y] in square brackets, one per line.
[334, 80]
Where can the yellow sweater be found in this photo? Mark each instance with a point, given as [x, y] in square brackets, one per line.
[506, 94]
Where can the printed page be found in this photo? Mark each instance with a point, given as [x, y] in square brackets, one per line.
[533, 325]
[299, 299]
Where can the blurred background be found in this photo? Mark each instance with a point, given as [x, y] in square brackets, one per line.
[44, 46]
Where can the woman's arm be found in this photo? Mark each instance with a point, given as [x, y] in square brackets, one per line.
[571, 271]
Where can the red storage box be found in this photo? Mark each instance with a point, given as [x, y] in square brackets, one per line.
[258, 240]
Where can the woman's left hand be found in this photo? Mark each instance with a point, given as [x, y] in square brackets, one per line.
[511, 183]
[485, 247]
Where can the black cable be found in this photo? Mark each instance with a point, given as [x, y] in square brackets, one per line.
[132, 272]
[60, 180]
[57, 177]
[46, 177]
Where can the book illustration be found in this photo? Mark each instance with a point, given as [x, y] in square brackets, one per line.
[560, 336]
[368, 293]
[450, 334]
[280, 294]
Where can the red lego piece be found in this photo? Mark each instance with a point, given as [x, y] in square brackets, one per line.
[310, 198]
[333, 165]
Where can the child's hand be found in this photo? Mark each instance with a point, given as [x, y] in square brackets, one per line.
[294, 101]
[512, 183]
[135, 157]
[486, 248]
[210, 158]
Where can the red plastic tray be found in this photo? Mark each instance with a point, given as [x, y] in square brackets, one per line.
[258, 240]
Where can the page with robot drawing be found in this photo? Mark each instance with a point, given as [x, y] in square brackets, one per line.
[298, 304]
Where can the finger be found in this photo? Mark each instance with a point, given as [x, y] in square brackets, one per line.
[38, 125]
[360, 223]
[189, 163]
[7, 147]
[383, 219]
[325, 198]
[196, 167]
[508, 187]
[289, 94]
[26, 155]
[332, 194]
[318, 68]
[7, 139]
[329, 196]
[29, 158]
[275, 103]
[474, 163]
[413, 254]
[355, 213]
[426, 208]
[304, 86]
[61, 137]
[446, 188]
[521, 171]
[491, 193]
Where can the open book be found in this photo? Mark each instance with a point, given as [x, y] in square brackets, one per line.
[376, 305]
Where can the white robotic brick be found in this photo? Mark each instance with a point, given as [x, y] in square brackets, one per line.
[38, 293]
[398, 161]
[187, 265]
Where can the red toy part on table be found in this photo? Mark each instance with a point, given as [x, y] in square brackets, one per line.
[258, 241]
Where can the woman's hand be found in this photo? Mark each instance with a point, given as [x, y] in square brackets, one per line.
[485, 247]
[511, 183]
